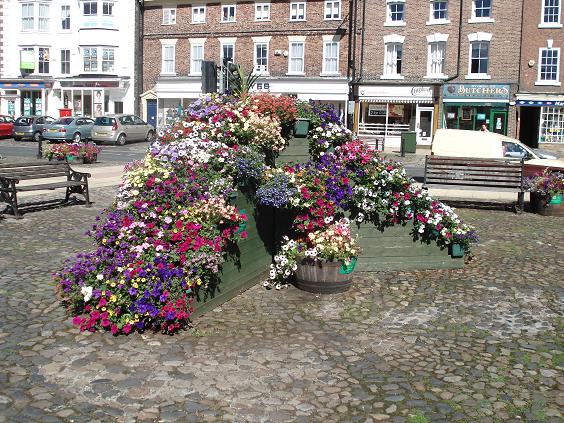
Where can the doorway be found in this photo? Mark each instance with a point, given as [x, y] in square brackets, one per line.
[424, 125]
[152, 112]
[498, 121]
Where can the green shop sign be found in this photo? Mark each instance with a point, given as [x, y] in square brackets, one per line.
[476, 91]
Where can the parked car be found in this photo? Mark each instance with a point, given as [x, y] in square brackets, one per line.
[72, 128]
[30, 127]
[121, 128]
[490, 145]
[6, 126]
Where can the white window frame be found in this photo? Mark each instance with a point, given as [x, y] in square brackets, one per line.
[474, 38]
[48, 61]
[108, 61]
[91, 2]
[260, 12]
[109, 4]
[168, 44]
[549, 82]
[481, 19]
[298, 4]
[392, 41]
[256, 42]
[557, 24]
[30, 19]
[551, 118]
[389, 21]
[330, 40]
[228, 19]
[432, 20]
[169, 16]
[433, 48]
[226, 42]
[65, 14]
[291, 41]
[90, 49]
[43, 20]
[196, 62]
[201, 14]
[63, 62]
[330, 6]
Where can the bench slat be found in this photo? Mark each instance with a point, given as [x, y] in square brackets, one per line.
[33, 164]
[495, 168]
[35, 175]
[477, 174]
[483, 183]
[53, 185]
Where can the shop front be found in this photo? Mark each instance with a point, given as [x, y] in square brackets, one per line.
[384, 112]
[174, 94]
[541, 119]
[92, 97]
[24, 98]
[476, 107]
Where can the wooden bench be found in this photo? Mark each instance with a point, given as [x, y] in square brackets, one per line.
[502, 174]
[11, 175]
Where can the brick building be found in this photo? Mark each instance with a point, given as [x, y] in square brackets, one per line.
[541, 96]
[429, 64]
[298, 48]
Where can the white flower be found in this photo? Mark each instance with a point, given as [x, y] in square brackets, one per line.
[100, 277]
[87, 292]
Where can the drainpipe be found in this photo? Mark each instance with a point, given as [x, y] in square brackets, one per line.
[138, 61]
[518, 115]
[361, 76]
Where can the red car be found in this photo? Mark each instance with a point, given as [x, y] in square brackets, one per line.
[6, 125]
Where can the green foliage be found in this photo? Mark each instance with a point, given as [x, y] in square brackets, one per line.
[240, 82]
[419, 417]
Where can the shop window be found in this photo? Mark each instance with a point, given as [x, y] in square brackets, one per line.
[551, 128]
[297, 11]
[90, 8]
[43, 20]
[197, 57]
[90, 55]
[296, 58]
[198, 14]
[108, 8]
[550, 13]
[393, 60]
[228, 13]
[65, 17]
[169, 15]
[331, 57]
[439, 12]
[262, 11]
[65, 62]
[43, 60]
[261, 58]
[548, 66]
[333, 9]
[396, 13]
[28, 17]
[108, 60]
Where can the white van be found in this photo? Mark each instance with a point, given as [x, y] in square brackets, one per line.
[490, 145]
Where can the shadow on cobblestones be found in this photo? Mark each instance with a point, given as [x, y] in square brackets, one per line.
[480, 344]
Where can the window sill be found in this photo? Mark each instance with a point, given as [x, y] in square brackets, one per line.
[195, 74]
[553, 25]
[228, 22]
[392, 77]
[168, 24]
[197, 23]
[333, 19]
[438, 22]
[477, 76]
[297, 20]
[333, 74]
[481, 20]
[394, 24]
[260, 74]
[548, 83]
[168, 74]
[262, 20]
[438, 76]
[295, 74]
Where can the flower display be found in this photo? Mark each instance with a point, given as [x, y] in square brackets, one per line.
[76, 150]
[548, 184]
[326, 137]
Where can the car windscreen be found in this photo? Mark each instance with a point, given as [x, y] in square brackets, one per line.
[104, 121]
[63, 121]
[23, 121]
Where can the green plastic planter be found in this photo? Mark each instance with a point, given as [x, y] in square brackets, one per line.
[556, 199]
[456, 250]
[301, 128]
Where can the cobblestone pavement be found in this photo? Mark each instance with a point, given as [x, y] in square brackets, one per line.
[481, 344]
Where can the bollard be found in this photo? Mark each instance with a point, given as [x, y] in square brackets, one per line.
[40, 148]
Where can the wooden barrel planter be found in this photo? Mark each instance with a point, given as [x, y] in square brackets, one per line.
[394, 249]
[541, 205]
[251, 261]
[322, 277]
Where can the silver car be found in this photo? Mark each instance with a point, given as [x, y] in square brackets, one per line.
[75, 128]
[121, 128]
[30, 127]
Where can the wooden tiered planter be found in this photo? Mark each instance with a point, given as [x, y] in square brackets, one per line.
[540, 205]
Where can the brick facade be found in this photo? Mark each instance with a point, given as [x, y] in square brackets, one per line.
[278, 28]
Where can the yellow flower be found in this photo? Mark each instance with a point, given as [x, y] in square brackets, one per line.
[134, 284]
[113, 284]
[113, 299]
[103, 308]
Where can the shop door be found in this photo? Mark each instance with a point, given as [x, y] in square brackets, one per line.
[152, 112]
[498, 121]
[424, 125]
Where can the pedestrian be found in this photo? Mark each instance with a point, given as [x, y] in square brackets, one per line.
[484, 128]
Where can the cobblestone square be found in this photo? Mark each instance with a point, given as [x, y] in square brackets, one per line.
[480, 344]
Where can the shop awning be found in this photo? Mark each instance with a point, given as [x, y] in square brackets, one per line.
[18, 84]
[395, 100]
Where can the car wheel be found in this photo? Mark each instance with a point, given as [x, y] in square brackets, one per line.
[17, 138]
[150, 136]
[37, 137]
[121, 139]
[77, 137]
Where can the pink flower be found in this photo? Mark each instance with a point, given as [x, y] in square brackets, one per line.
[127, 328]
[114, 329]
[77, 320]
